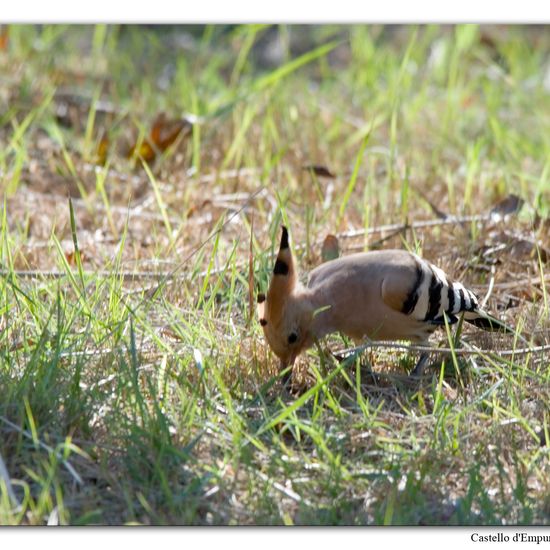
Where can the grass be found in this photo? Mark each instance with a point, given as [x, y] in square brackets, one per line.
[136, 384]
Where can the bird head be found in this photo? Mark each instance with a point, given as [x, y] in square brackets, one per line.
[285, 313]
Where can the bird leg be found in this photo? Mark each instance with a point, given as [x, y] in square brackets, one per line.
[286, 370]
[419, 368]
[286, 379]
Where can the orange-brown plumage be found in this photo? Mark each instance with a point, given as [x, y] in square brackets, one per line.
[380, 295]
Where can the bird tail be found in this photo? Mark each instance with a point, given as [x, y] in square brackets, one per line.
[483, 320]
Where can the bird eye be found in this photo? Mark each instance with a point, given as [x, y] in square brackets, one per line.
[292, 337]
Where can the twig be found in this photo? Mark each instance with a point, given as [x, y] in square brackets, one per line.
[378, 242]
[446, 351]
[104, 274]
[532, 281]
[282, 489]
[490, 289]
[397, 227]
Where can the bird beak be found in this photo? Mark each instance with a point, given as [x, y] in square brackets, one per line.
[288, 364]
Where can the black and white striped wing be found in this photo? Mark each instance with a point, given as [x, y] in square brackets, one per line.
[434, 296]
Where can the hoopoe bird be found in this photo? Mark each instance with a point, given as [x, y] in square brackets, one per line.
[379, 295]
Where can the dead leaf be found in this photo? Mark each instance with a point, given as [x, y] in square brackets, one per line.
[526, 248]
[4, 37]
[467, 101]
[164, 133]
[102, 150]
[331, 249]
[20, 344]
[541, 224]
[512, 204]
[71, 257]
[196, 208]
[515, 246]
[319, 170]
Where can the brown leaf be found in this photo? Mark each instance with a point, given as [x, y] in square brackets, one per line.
[196, 208]
[510, 205]
[4, 37]
[467, 101]
[164, 133]
[20, 344]
[102, 150]
[525, 248]
[145, 151]
[331, 249]
[319, 170]
[541, 223]
[71, 257]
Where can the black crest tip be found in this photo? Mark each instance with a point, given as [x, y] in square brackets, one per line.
[284, 238]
